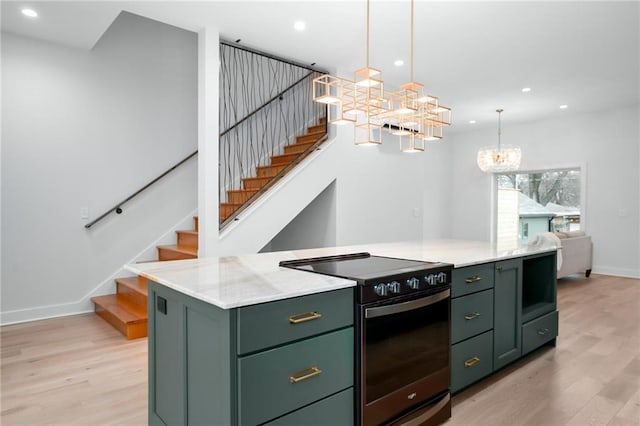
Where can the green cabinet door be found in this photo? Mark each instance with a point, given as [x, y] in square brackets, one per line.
[166, 358]
[507, 330]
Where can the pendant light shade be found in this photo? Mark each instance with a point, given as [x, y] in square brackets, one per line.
[504, 158]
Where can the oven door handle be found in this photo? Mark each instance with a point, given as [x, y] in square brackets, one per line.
[397, 308]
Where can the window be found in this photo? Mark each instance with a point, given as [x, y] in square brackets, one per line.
[533, 202]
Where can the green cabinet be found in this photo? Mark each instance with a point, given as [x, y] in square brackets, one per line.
[500, 311]
[279, 362]
[299, 374]
[472, 309]
[507, 344]
[471, 315]
[471, 360]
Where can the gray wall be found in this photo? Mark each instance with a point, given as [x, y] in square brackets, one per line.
[86, 129]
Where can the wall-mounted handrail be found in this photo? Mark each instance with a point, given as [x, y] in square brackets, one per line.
[118, 207]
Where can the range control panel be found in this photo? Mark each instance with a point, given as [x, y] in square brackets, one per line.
[404, 284]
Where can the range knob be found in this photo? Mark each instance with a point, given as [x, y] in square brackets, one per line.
[442, 278]
[381, 289]
[430, 279]
[394, 287]
[413, 283]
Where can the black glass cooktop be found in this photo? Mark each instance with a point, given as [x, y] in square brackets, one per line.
[359, 266]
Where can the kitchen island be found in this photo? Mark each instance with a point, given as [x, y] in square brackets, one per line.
[239, 340]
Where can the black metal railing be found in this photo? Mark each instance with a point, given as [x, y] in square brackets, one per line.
[265, 102]
[118, 207]
[270, 103]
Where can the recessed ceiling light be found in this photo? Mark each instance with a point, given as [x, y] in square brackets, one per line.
[472, 121]
[30, 13]
[526, 89]
[398, 62]
[299, 26]
[564, 106]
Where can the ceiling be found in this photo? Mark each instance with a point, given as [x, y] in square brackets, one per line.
[475, 55]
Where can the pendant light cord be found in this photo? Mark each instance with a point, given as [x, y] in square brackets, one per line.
[499, 111]
[411, 42]
[367, 33]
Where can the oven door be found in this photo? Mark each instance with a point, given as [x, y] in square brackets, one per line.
[404, 355]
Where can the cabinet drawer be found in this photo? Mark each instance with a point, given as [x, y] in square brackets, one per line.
[472, 279]
[539, 331]
[336, 410]
[270, 324]
[471, 315]
[471, 360]
[281, 380]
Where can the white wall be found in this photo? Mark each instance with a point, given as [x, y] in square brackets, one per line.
[378, 188]
[606, 144]
[86, 129]
[436, 195]
[315, 226]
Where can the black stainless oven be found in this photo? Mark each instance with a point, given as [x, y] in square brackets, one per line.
[402, 318]
[403, 359]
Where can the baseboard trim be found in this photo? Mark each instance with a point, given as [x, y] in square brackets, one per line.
[85, 305]
[616, 272]
[45, 312]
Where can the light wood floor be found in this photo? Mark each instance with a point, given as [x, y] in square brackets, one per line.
[78, 370]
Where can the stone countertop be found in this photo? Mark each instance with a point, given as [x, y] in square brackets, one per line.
[235, 281]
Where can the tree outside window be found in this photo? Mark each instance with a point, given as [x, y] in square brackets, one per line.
[547, 201]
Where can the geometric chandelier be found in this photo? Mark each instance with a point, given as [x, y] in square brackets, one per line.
[408, 113]
[503, 159]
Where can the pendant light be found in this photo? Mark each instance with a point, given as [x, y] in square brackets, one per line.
[409, 112]
[505, 158]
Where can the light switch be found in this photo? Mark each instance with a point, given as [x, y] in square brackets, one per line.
[84, 212]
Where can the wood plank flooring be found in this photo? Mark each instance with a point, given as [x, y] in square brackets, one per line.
[592, 376]
[78, 370]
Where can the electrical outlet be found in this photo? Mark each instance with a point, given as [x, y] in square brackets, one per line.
[416, 212]
[84, 212]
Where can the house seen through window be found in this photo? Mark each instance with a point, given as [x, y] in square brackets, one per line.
[534, 202]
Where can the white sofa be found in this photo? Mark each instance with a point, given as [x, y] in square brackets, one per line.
[577, 253]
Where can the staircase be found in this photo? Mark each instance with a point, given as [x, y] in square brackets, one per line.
[127, 309]
[266, 176]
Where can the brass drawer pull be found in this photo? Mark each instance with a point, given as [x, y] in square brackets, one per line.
[307, 316]
[304, 374]
[473, 279]
[471, 316]
[471, 361]
[499, 268]
[543, 331]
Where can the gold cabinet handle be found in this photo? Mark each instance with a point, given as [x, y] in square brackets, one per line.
[543, 331]
[471, 316]
[305, 374]
[304, 317]
[499, 268]
[471, 361]
[473, 279]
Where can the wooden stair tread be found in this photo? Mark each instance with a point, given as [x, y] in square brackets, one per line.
[120, 308]
[179, 249]
[188, 231]
[135, 284]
